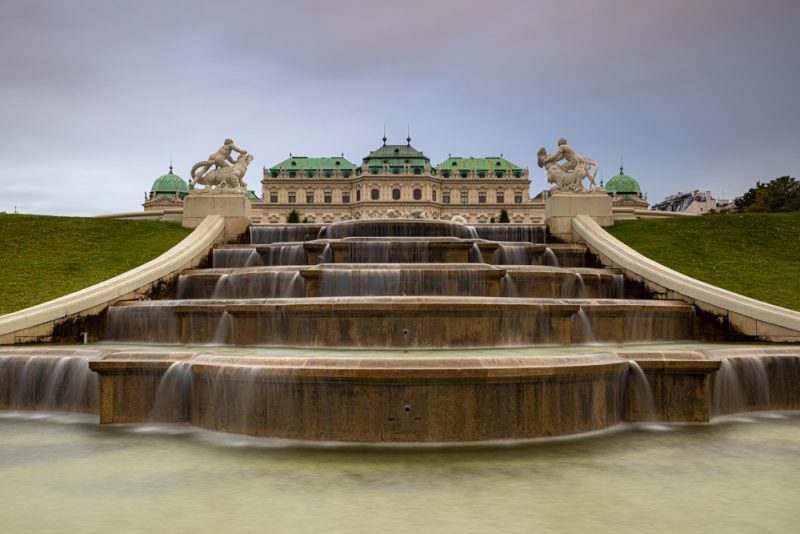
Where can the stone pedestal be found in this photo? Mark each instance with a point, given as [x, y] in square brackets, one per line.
[236, 208]
[561, 208]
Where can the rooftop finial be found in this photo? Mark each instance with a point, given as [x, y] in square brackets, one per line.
[408, 138]
[620, 164]
[384, 134]
[170, 162]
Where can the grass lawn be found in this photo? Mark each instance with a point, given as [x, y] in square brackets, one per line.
[755, 254]
[44, 257]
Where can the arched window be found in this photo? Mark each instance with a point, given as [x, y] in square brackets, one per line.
[358, 195]
[395, 194]
[375, 194]
[417, 194]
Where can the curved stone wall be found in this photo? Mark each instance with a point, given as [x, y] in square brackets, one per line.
[38, 322]
[747, 316]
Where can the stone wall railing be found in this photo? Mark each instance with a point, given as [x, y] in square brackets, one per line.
[747, 316]
[38, 322]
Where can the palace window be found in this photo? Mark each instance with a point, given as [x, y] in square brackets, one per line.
[358, 195]
[395, 194]
[464, 197]
[517, 174]
[446, 197]
[481, 197]
[310, 197]
[292, 197]
[275, 174]
[433, 195]
[328, 197]
[500, 174]
[292, 174]
[481, 174]
[346, 198]
[464, 174]
[417, 194]
[417, 170]
[309, 173]
[328, 174]
[501, 197]
[348, 173]
[273, 196]
[518, 198]
[375, 194]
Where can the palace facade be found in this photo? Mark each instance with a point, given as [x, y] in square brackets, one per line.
[396, 180]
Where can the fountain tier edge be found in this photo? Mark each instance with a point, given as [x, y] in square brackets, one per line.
[452, 397]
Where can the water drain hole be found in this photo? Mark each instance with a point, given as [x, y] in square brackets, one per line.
[407, 408]
[405, 331]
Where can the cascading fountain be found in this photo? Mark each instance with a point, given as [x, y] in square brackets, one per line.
[406, 331]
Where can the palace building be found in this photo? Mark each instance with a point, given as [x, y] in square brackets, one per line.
[396, 181]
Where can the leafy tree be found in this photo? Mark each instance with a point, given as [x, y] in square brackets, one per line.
[293, 217]
[781, 194]
[504, 216]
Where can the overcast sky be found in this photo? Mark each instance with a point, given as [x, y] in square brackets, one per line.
[96, 96]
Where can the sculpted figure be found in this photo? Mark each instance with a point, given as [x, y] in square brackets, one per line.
[569, 175]
[219, 159]
[229, 178]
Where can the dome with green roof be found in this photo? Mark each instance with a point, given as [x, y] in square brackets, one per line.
[168, 185]
[623, 185]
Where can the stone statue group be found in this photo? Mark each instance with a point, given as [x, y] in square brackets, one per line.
[220, 172]
[568, 176]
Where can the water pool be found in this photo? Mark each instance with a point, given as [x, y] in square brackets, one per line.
[70, 475]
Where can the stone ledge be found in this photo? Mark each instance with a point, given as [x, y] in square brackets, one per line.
[749, 316]
[39, 320]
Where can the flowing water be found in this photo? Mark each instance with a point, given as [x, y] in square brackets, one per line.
[62, 477]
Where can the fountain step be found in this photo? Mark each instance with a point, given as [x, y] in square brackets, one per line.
[431, 398]
[531, 233]
[280, 233]
[401, 250]
[382, 279]
[427, 322]
[265, 234]
[397, 228]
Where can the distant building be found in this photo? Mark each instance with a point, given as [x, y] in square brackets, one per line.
[396, 180]
[694, 202]
[168, 191]
[624, 191]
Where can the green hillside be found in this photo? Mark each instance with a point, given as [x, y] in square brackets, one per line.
[755, 254]
[44, 257]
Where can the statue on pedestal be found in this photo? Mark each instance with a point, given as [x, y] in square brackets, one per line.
[568, 176]
[227, 174]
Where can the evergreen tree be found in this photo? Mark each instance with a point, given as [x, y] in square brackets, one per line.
[293, 217]
[781, 194]
[504, 216]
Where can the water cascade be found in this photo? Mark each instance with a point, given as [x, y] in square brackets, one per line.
[407, 335]
[642, 403]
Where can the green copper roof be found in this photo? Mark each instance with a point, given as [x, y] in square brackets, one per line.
[622, 183]
[251, 195]
[478, 164]
[169, 184]
[297, 163]
[397, 155]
